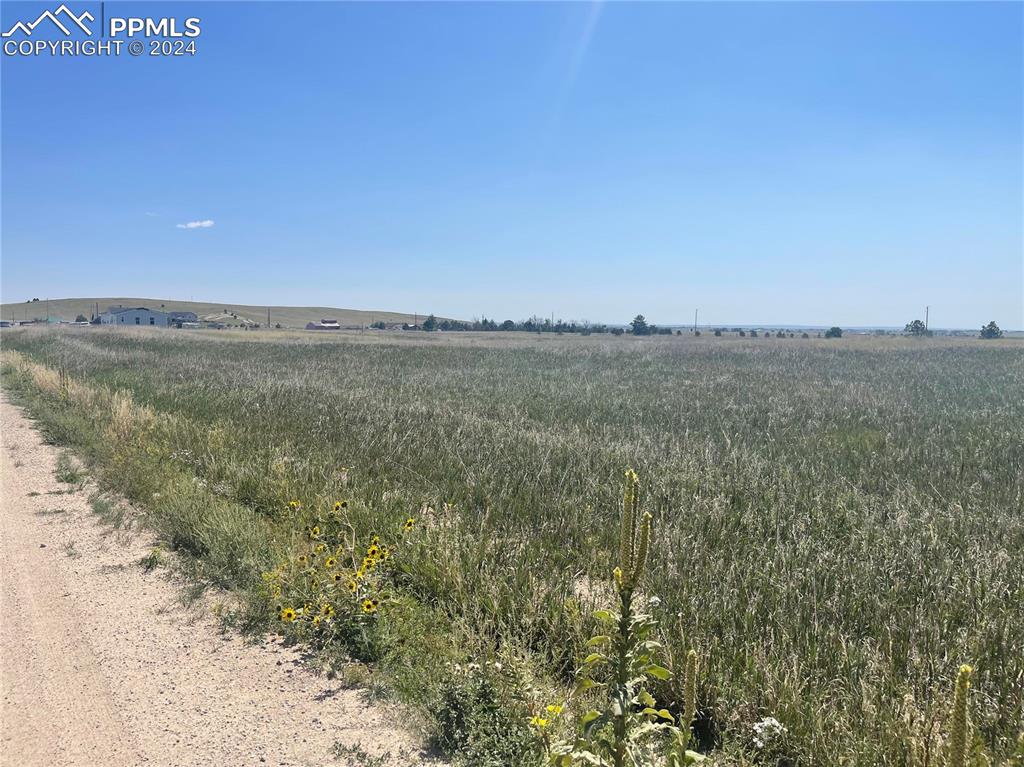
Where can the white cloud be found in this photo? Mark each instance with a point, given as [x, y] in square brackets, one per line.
[196, 224]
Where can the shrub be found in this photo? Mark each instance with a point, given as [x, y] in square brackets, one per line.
[479, 723]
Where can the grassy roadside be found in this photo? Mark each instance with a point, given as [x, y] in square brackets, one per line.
[457, 687]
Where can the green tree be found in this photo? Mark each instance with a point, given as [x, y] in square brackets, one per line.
[991, 331]
[916, 328]
[640, 326]
[834, 332]
[81, 318]
[430, 323]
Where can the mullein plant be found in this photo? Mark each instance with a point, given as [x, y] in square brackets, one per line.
[627, 730]
[959, 752]
[956, 755]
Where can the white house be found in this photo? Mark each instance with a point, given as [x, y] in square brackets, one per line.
[132, 316]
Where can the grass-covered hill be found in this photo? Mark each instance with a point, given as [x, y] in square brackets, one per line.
[287, 316]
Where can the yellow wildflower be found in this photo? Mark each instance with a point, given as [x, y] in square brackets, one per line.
[288, 615]
[369, 606]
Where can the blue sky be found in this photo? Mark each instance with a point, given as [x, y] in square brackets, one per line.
[829, 163]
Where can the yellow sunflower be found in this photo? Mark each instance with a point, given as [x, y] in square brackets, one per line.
[369, 606]
[288, 615]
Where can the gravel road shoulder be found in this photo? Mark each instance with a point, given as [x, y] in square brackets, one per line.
[101, 664]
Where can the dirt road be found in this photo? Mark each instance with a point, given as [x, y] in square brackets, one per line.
[100, 665]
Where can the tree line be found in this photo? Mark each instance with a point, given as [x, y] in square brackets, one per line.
[638, 326]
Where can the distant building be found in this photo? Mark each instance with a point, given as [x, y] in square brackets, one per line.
[132, 316]
[182, 319]
[323, 325]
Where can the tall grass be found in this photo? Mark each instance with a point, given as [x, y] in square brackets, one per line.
[841, 523]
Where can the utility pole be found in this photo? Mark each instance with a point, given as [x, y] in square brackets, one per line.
[695, 320]
[268, 318]
[926, 309]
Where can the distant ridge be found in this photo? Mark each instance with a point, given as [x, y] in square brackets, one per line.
[67, 309]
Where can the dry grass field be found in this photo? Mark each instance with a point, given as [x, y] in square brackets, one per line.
[838, 523]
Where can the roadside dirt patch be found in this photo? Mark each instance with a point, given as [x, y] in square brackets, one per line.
[100, 664]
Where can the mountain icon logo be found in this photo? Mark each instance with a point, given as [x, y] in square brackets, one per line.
[62, 13]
